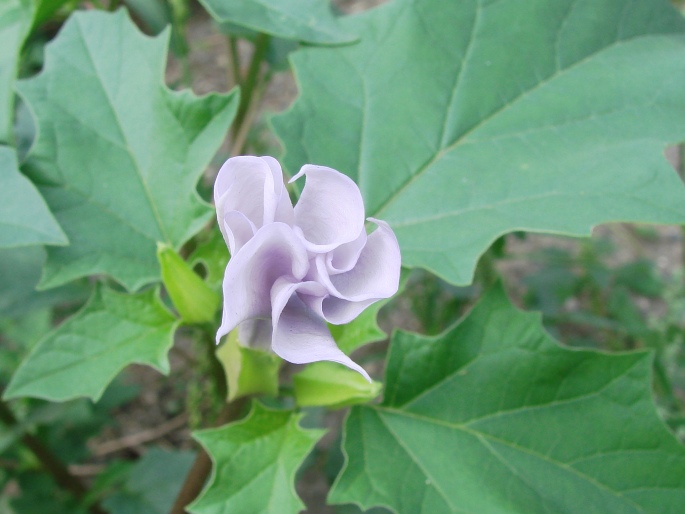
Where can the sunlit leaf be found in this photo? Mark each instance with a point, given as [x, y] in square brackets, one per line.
[494, 416]
[255, 461]
[461, 121]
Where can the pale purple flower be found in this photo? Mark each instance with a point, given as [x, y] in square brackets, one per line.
[294, 269]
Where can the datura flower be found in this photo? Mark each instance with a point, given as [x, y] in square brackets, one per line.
[293, 269]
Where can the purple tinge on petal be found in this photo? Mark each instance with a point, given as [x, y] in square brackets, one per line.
[330, 211]
[237, 230]
[274, 252]
[255, 333]
[344, 257]
[375, 276]
[252, 186]
[300, 335]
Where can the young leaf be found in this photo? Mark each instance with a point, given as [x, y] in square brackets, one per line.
[310, 21]
[84, 354]
[24, 217]
[462, 121]
[494, 416]
[255, 461]
[118, 152]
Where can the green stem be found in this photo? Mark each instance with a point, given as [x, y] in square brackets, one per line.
[251, 79]
[234, 76]
[48, 460]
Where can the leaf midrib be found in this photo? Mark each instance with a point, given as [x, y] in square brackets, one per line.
[504, 107]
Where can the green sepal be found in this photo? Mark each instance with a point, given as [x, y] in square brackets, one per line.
[194, 300]
[248, 370]
[327, 384]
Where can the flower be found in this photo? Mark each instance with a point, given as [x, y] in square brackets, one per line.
[293, 269]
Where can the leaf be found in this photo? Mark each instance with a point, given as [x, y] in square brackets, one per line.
[494, 416]
[153, 483]
[462, 121]
[84, 354]
[255, 461]
[20, 270]
[310, 21]
[24, 217]
[362, 330]
[15, 22]
[212, 253]
[119, 161]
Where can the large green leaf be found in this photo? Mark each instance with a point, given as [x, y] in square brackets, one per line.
[461, 121]
[15, 22]
[311, 21]
[84, 354]
[118, 154]
[493, 416]
[24, 217]
[255, 461]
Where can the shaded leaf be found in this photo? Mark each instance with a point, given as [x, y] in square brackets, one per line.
[84, 354]
[462, 121]
[120, 159]
[24, 217]
[311, 21]
[494, 416]
[255, 461]
[152, 484]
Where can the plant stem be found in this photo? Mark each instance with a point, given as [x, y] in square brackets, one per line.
[202, 467]
[49, 461]
[251, 79]
[234, 76]
[243, 131]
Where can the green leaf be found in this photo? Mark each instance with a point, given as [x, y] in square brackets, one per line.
[330, 384]
[310, 21]
[255, 461]
[194, 300]
[119, 160]
[84, 354]
[494, 416]
[153, 483]
[462, 121]
[24, 217]
[15, 22]
[212, 253]
[20, 270]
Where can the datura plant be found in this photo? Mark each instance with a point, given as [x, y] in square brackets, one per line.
[342, 335]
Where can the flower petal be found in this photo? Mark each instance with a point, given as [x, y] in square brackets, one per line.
[330, 211]
[300, 336]
[375, 276]
[274, 252]
[252, 186]
[344, 257]
[237, 230]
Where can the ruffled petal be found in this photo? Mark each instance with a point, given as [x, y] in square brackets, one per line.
[255, 333]
[237, 230]
[284, 207]
[300, 336]
[273, 252]
[330, 211]
[375, 276]
[344, 257]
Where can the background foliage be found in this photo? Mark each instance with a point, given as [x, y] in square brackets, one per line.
[468, 126]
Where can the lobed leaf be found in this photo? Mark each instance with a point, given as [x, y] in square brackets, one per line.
[462, 121]
[255, 461]
[494, 416]
[118, 154]
[84, 354]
